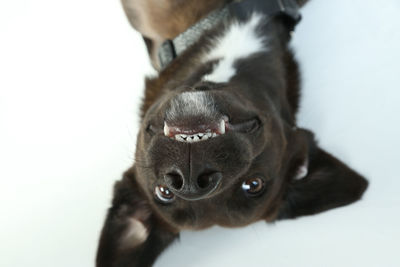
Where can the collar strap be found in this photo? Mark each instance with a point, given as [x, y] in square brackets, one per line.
[240, 9]
[170, 49]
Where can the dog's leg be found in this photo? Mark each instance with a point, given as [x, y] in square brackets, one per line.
[132, 236]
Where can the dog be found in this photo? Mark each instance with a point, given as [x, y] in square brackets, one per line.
[218, 142]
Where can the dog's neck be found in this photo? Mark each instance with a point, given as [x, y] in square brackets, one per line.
[239, 42]
[237, 10]
[247, 54]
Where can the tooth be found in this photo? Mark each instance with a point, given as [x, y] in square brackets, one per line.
[200, 134]
[166, 129]
[205, 137]
[196, 138]
[222, 127]
[209, 134]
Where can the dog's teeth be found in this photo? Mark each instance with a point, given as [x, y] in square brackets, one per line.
[222, 127]
[166, 129]
[178, 138]
[196, 137]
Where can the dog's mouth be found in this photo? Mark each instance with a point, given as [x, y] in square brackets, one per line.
[191, 133]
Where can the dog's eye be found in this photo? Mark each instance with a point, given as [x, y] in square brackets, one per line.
[253, 187]
[164, 194]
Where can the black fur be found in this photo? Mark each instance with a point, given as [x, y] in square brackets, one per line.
[266, 87]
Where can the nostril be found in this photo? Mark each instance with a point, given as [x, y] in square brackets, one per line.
[174, 180]
[203, 181]
[208, 179]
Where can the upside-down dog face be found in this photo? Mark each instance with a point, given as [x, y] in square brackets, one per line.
[212, 146]
[220, 153]
[220, 146]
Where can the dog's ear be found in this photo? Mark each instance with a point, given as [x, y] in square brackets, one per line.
[132, 235]
[319, 182]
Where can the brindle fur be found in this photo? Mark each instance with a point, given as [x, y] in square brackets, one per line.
[268, 86]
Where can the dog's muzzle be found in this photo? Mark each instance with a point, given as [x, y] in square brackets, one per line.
[193, 118]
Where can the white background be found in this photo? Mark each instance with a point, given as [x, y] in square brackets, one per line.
[71, 77]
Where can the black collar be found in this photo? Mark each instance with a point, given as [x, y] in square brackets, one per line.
[239, 9]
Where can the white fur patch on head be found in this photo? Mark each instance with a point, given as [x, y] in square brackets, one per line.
[198, 103]
[136, 233]
[239, 41]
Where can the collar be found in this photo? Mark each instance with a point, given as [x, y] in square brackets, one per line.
[239, 9]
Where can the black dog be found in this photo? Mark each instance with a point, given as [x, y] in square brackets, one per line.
[218, 142]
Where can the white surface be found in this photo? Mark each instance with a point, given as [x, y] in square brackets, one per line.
[70, 80]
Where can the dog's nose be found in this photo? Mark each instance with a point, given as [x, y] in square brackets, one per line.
[193, 187]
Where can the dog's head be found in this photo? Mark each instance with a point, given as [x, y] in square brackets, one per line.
[218, 154]
[227, 153]
[207, 146]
